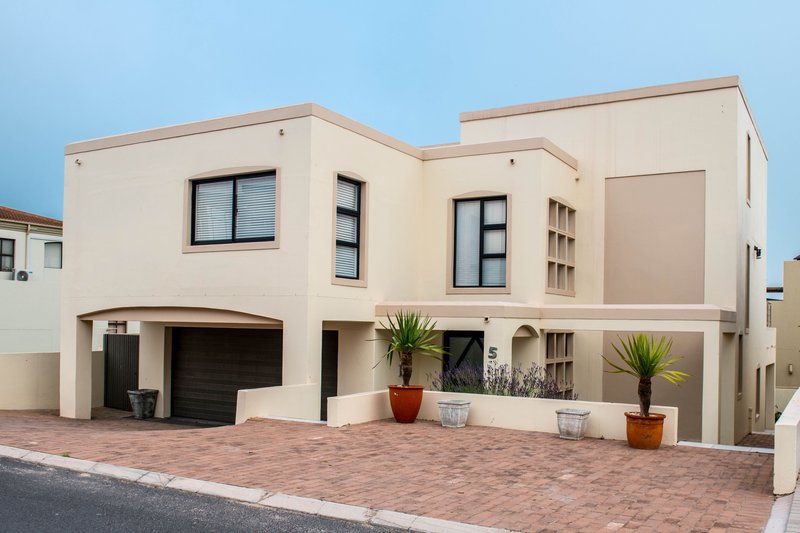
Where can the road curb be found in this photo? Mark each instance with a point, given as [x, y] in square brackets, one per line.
[274, 500]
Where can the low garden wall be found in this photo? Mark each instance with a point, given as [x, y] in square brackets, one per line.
[31, 380]
[787, 447]
[284, 401]
[527, 414]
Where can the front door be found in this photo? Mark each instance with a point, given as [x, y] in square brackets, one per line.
[121, 354]
[463, 348]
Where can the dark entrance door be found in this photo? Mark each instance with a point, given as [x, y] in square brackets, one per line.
[330, 370]
[210, 365]
[463, 348]
[121, 355]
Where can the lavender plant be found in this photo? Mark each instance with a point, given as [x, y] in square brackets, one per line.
[500, 380]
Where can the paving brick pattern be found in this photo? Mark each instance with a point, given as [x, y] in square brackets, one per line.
[758, 440]
[512, 479]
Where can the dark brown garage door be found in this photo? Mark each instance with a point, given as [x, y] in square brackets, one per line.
[209, 366]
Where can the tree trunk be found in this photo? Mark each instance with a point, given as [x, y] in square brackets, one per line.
[645, 392]
[405, 368]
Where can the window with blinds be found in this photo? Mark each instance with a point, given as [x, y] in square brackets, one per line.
[234, 209]
[348, 228]
[52, 254]
[6, 255]
[480, 242]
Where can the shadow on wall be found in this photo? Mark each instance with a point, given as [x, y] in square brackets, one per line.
[688, 397]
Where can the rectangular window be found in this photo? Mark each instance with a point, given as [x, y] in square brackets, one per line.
[6, 255]
[116, 327]
[348, 228]
[747, 291]
[748, 156]
[480, 242]
[560, 248]
[52, 254]
[234, 209]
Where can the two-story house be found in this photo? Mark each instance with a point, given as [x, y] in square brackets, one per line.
[261, 251]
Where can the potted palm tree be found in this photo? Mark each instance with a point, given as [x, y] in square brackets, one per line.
[410, 334]
[644, 358]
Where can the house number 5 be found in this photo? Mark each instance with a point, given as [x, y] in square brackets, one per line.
[492, 352]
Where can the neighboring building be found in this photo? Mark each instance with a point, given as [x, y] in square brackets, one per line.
[262, 250]
[785, 318]
[30, 282]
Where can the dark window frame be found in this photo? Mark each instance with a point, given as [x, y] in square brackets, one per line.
[483, 229]
[11, 255]
[353, 213]
[233, 180]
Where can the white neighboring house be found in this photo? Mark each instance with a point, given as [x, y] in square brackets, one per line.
[30, 281]
[30, 285]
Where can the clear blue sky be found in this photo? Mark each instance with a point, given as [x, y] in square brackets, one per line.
[77, 70]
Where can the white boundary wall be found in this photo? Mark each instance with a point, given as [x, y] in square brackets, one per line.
[527, 414]
[283, 401]
[787, 447]
[30, 380]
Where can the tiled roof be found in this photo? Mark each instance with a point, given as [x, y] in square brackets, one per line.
[15, 215]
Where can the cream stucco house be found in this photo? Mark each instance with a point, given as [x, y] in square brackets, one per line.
[785, 318]
[260, 251]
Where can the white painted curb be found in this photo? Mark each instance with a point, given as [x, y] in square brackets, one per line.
[726, 447]
[339, 511]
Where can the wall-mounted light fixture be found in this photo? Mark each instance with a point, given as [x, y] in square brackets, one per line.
[281, 132]
[791, 369]
[511, 161]
[79, 162]
[758, 251]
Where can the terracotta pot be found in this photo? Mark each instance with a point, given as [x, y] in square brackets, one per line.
[405, 402]
[644, 432]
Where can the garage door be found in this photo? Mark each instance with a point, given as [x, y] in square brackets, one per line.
[209, 366]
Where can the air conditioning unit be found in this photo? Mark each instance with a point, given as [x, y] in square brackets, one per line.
[21, 275]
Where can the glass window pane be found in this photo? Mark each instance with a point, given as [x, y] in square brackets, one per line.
[7, 246]
[346, 261]
[346, 228]
[213, 211]
[347, 194]
[494, 272]
[52, 255]
[6, 263]
[494, 212]
[255, 208]
[467, 245]
[494, 241]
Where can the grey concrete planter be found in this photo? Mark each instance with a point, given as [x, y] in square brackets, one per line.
[572, 423]
[143, 402]
[453, 413]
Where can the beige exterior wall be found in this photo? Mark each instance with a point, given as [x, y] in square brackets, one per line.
[786, 321]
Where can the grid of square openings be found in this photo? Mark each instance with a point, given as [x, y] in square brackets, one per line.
[559, 359]
[560, 248]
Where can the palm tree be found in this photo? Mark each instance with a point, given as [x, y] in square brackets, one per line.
[410, 334]
[646, 359]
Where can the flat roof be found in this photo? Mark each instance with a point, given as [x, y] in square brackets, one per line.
[640, 93]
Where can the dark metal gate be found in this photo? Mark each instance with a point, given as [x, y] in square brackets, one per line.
[121, 353]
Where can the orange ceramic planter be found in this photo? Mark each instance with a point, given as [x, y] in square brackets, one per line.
[645, 432]
[405, 402]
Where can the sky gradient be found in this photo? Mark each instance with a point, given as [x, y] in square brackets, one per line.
[79, 70]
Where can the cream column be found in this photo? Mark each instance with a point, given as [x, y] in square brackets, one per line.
[155, 364]
[727, 388]
[711, 382]
[75, 389]
[302, 355]
[497, 342]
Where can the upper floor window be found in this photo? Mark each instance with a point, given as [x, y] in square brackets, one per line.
[348, 228]
[560, 248]
[6, 255]
[117, 327]
[749, 165]
[480, 242]
[234, 209]
[52, 254]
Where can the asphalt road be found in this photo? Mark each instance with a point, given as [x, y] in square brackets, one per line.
[39, 498]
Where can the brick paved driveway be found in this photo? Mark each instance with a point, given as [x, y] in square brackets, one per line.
[513, 479]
